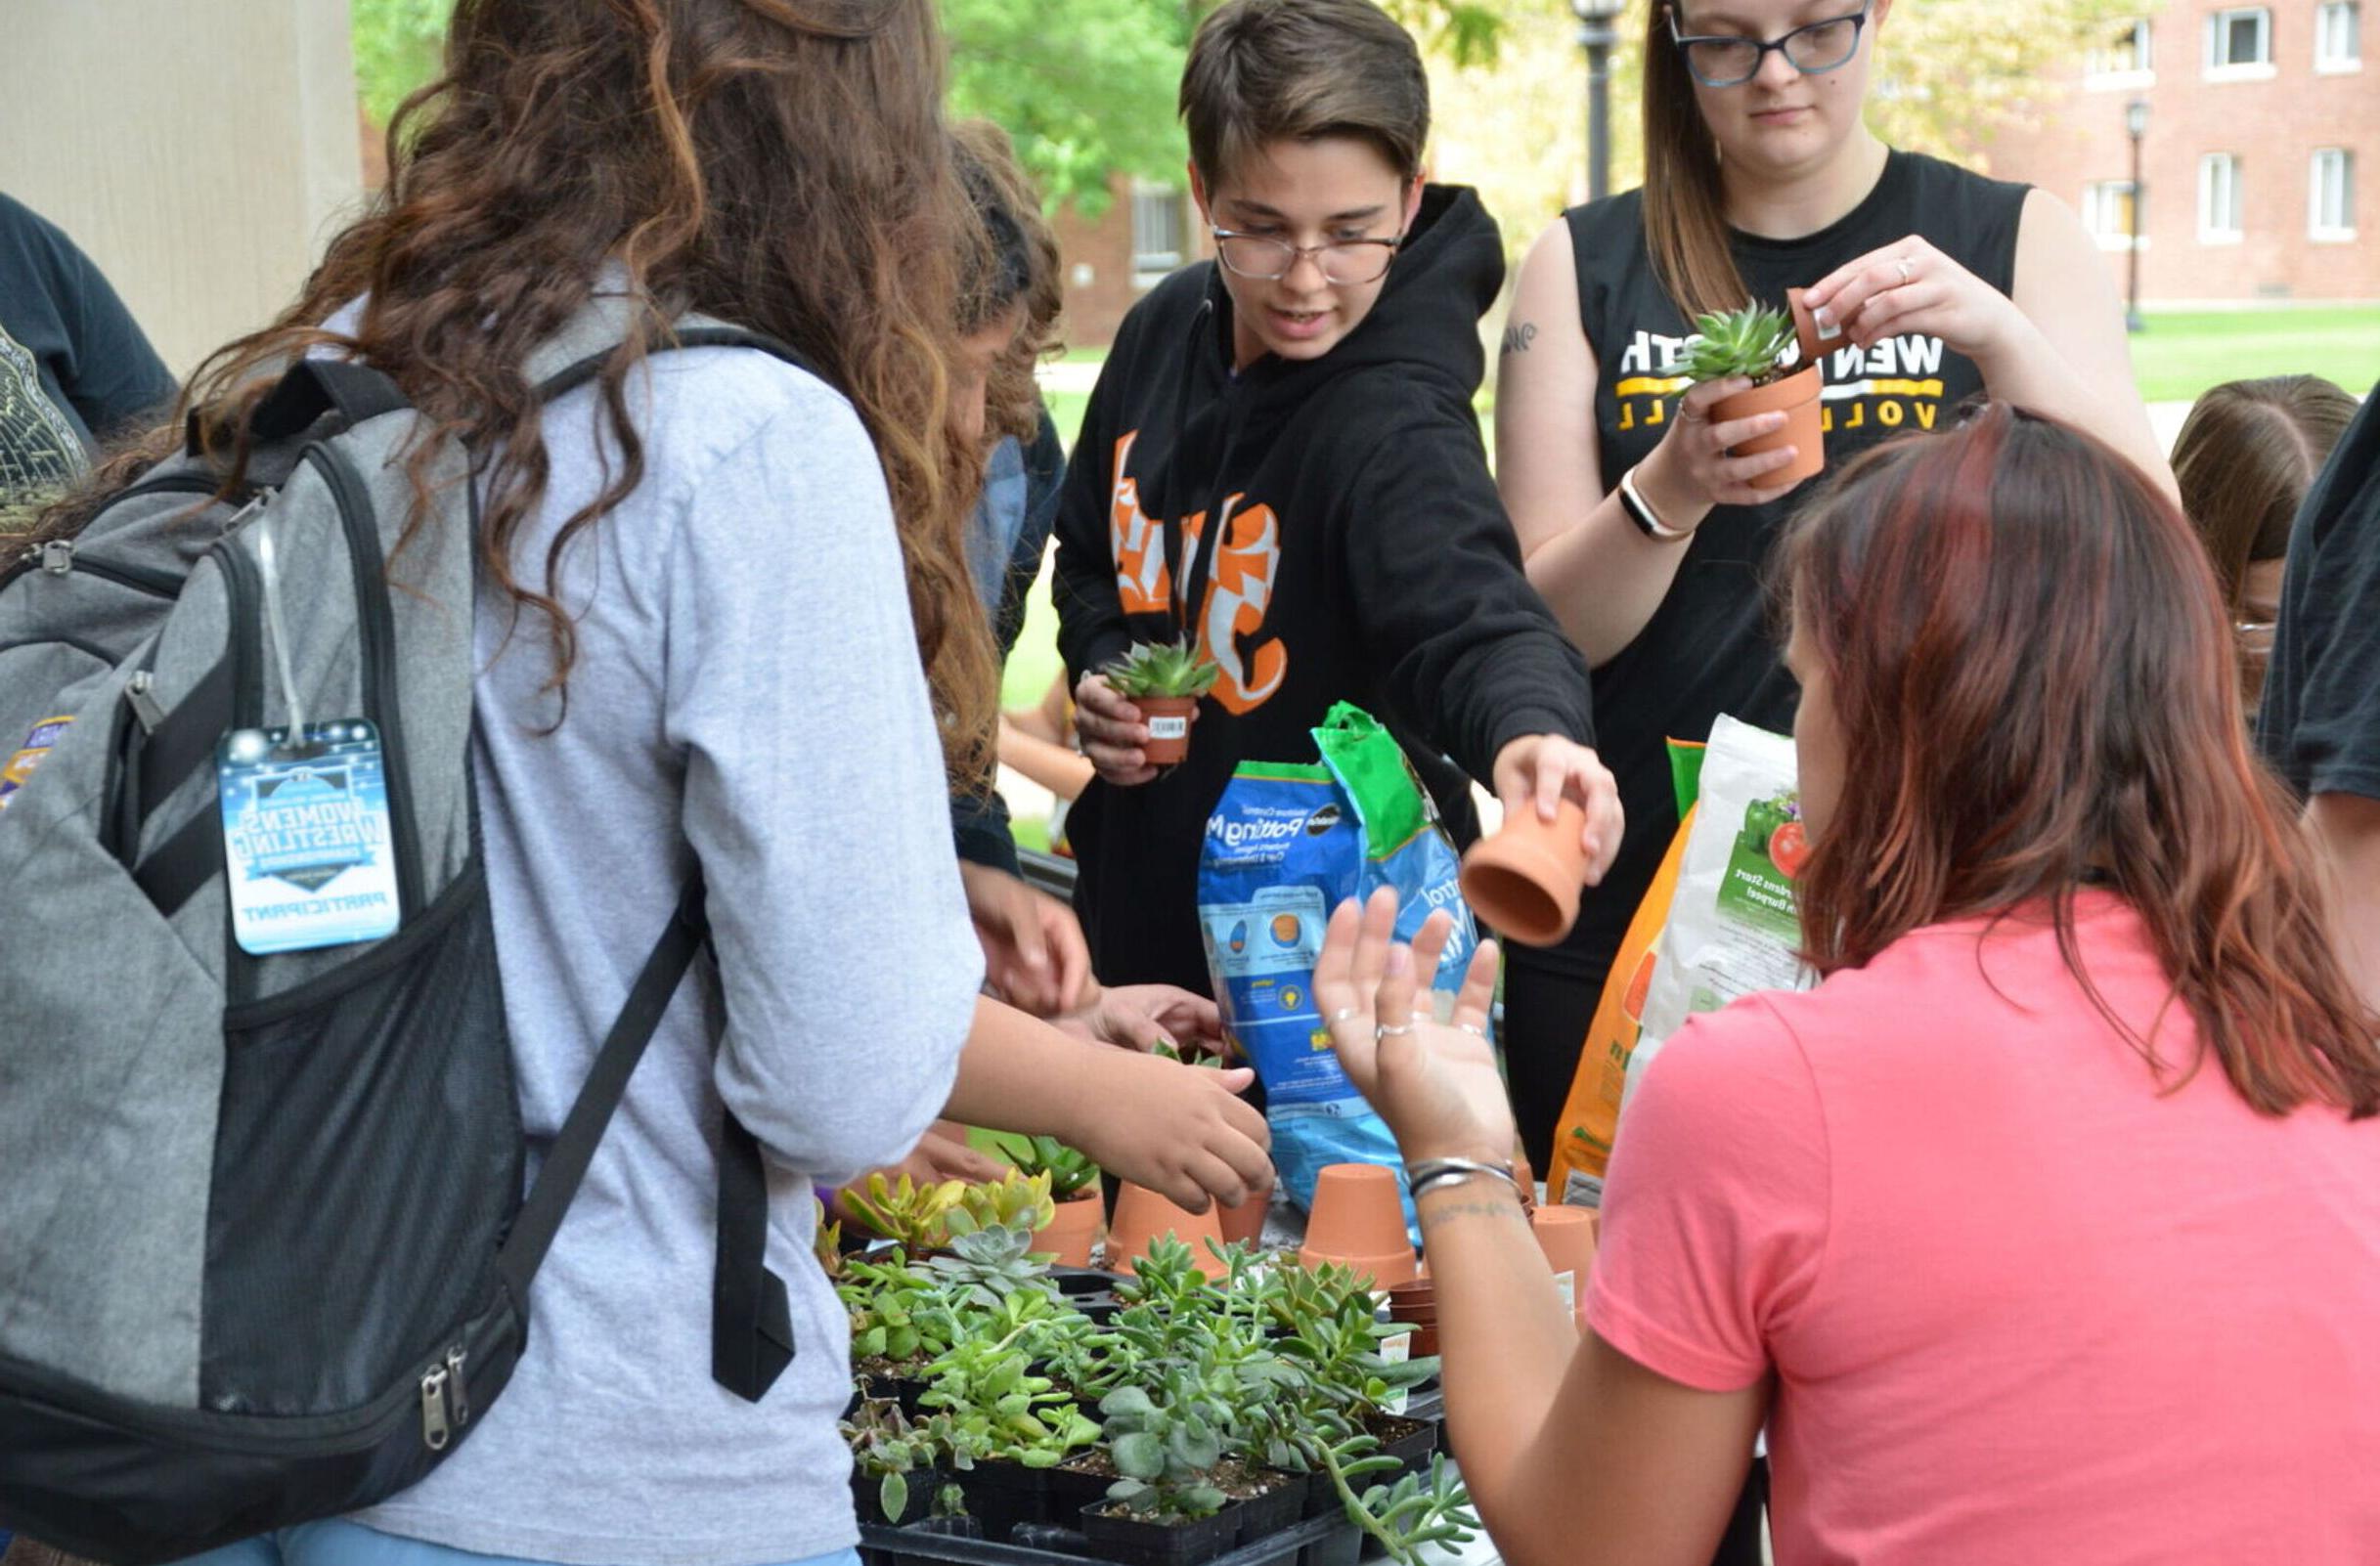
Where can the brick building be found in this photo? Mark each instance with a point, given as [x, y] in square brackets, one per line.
[2259, 165]
[1147, 231]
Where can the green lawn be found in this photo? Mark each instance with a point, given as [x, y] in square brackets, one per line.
[2180, 355]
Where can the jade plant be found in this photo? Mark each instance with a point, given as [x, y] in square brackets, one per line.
[1068, 1171]
[906, 1213]
[1161, 669]
[925, 1218]
[1749, 343]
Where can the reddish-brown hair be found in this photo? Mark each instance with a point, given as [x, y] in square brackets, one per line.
[2027, 655]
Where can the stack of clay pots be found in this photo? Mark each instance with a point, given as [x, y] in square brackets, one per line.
[1358, 1222]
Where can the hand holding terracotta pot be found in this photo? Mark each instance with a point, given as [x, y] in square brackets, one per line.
[1524, 881]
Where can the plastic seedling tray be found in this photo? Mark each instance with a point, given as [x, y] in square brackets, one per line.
[1318, 1542]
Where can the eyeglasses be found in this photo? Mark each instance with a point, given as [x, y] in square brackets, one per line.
[1262, 259]
[1720, 60]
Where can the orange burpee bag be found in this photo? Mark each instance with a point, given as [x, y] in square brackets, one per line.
[1582, 1141]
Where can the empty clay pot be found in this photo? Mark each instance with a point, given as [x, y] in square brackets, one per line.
[1814, 338]
[1416, 1302]
[1567, 1235]
[1524, 880]
[1358, 1221]
[1168, 722]
[1142, 1216]
[1795, 397]
[1069, 1235]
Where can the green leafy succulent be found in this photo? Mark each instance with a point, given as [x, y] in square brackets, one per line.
[1166, 1450]
[1161, 669]
[1748, 342]
[1067, 1170]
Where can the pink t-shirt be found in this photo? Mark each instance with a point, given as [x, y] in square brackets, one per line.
[2020, 1307]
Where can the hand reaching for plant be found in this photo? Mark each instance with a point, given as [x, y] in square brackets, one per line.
[1182, 1131]
[1435, 1083]
[1142, 1016]
[1034, 948]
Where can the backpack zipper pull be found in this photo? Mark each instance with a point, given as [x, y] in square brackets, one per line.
[140, 696]
[57, 556]
[434, 1429]
[454, 1383]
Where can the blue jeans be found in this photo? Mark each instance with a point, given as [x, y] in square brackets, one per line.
[338, 1542]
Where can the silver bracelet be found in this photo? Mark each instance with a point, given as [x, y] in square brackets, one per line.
[1431, 1173]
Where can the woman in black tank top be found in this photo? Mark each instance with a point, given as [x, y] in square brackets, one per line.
[1759, 177]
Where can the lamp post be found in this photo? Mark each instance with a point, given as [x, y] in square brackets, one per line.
[2135, 125]
[1596, 36]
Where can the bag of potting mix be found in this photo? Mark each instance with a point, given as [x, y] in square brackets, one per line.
[1718, 921]
[1285, 845]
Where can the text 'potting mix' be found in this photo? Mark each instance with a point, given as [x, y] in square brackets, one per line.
[1285, 845]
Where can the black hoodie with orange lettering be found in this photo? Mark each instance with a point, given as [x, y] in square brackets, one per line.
[1335, 524]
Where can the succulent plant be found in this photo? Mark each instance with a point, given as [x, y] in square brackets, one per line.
[1161, 669]
[908, 1213]
[1014, 1202]
[1746, 343]
[1068, 1170]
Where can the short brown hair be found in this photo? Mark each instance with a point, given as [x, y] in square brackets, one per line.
[1269, 70]
[2244, 459]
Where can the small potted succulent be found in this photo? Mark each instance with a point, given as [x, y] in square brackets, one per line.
[1164, 680]
[1751, 343]
[1073, 1187]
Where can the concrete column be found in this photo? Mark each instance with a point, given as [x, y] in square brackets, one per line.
[200, 153]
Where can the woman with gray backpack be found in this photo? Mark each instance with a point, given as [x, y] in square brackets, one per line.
[505, 636]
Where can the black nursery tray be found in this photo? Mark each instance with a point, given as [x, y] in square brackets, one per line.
[1316, 1542]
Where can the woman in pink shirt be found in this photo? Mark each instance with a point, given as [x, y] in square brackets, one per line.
[2046, 1227]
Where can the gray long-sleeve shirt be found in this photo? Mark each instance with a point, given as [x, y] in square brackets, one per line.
[747, 694]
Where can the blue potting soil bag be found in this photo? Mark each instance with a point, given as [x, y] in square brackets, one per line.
[1285, 845]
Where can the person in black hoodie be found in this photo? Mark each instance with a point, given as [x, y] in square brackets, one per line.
[1281, 461]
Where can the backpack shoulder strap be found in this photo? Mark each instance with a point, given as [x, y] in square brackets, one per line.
[751, 1316]
[309, 389]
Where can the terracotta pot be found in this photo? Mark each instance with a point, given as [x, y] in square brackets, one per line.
[1168, 721]
[1524, 880]
[1795, 397]
[1069, 1235]
[1813, 339]
[1426, 1342]
[1358, 1221]
[1142, 1216]
[1243, 1224]
[1567, 1235]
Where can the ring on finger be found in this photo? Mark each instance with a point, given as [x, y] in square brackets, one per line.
[1902, 262]
[1380, 1031]
[1342, 1015]
[1473, 1028]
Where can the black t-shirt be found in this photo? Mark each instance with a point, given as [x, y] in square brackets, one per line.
[74, 369]
[2320, 721]
[1709, 648]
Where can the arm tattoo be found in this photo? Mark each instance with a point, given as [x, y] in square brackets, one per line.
[1439, 1214]
[1518, 336]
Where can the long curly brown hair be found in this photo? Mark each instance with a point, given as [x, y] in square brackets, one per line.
[783, 165]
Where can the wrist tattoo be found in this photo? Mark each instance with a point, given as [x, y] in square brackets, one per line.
[1441, 1212]
[1518, 336]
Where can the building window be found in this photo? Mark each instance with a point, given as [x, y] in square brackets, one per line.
[2107, 212]
[2124, 61]
[2219, 206]
[2338, 36]
[2331, 198]
[2239, 42]
[1161, 234]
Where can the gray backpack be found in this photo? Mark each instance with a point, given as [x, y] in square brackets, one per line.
[264, 1252]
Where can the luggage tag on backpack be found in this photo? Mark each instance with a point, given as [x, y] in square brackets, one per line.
[308, 856]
